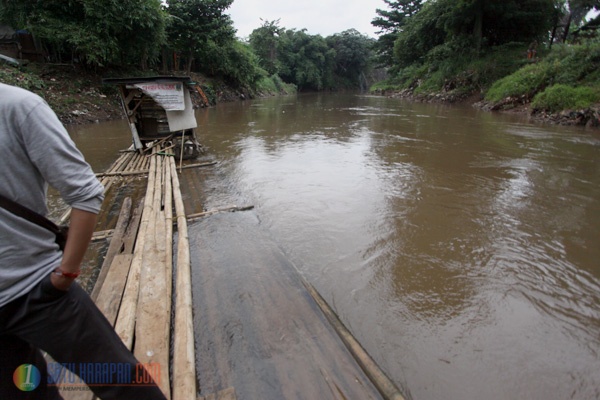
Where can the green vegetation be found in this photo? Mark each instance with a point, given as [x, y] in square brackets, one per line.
[191, 36]
[562, 97]
[26, 80]
[514, 49]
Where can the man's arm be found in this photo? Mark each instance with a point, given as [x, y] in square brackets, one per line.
[81, 229]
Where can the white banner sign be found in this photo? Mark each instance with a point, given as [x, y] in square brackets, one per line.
[169, 95]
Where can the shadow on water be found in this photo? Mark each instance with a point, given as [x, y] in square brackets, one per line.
[257, 328]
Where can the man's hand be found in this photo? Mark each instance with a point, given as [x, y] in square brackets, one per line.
[61, 282]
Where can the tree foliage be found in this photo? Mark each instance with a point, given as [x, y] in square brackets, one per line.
[97, 33]
[191, 35]
[200, 28]
[264, 42]
[391, 22]
[470, 26]
[353, 55]
[312, 62]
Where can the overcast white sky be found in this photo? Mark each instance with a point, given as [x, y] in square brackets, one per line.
[319, 17]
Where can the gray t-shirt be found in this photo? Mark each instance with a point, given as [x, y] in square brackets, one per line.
[36, 150]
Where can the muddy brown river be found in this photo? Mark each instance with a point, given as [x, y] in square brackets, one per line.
[460, 247]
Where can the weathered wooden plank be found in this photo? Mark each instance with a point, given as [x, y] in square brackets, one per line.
[153, 310]
[125, 326]
[109, 297]
[115, 245]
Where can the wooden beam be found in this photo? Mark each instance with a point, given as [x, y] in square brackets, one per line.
[184, 357]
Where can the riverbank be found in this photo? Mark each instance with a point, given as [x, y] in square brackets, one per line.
[79, 97]
[588, 117]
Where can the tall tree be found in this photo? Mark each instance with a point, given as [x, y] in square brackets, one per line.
[353, 55]
[200, 28]
[306, 60]
[264, 41]
[471, 25]
[391, 22]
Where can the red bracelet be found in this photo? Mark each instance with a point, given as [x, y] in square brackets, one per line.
[60, 272]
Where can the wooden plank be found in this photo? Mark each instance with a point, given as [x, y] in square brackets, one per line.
[125, 326]
[184, 358]
[206, 164]
[115, 246]
[109, 297]
[232, 208]
[152, 329]
[131, 233]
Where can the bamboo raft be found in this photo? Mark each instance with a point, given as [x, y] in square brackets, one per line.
[138, 280]
[135, 283]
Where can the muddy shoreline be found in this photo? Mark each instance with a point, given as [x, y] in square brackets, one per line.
[588, 117]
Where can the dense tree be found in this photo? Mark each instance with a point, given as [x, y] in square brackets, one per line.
[465, 26]
[391, 22]
[421, 34]
[306, 60]
[500, 22]
[264, 42]
[200, 28]
[97, 33]
[353, 55]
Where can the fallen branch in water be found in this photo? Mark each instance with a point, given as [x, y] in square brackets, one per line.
[192, 217]
[206, 164]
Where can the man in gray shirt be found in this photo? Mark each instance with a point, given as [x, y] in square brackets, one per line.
[41, 307]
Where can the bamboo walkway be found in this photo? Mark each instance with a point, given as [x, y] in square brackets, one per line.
[135, 283]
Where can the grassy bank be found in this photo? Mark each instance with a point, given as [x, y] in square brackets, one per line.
[561, 85]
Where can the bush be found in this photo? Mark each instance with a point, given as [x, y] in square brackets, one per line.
[525, 82]
[21, 78]
[562, 97]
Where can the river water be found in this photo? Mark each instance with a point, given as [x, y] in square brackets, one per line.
[461, 248]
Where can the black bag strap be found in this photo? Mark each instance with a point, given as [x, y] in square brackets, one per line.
[28, 214]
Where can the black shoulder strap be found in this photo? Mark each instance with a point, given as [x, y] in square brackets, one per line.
[28, 214]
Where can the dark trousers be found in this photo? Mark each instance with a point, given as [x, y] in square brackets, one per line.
[71, 329]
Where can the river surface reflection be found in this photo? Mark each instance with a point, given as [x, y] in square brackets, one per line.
[460, 247]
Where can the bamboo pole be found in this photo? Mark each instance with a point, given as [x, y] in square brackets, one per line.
[206, 164]
[184, 358]
[386, 387]
[125, 326]
[168, 209]
[218, 210]
[122, 173]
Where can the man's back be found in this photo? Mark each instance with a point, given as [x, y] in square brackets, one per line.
[35, 149]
